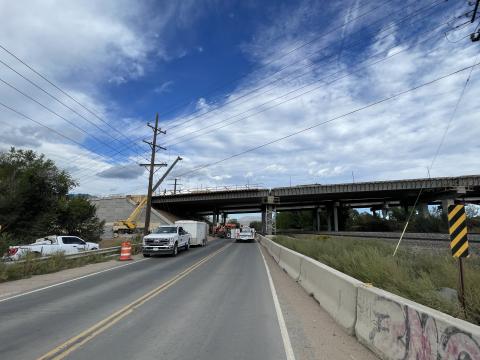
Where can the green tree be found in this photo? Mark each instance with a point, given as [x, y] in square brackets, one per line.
[77, 216]
[34, 201]
[257, 225]
[30, 188]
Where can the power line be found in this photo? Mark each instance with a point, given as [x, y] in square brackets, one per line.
[392, 25]
[372, 104]
[295, 97]
[56, 114]
[61, 102]
[442, 140]
[302, 45]
[50, 129]
[59, 89]
[296, 90]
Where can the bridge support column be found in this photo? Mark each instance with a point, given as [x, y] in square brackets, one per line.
[264, 220]
[216, 217]
[446, 203]
[329, 219]
[268, 220]
[224, 218]
[335, 217]
[317, 223]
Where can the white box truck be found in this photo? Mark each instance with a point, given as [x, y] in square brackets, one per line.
[197, 229]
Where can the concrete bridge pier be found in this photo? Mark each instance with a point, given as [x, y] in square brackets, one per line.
[215, 218]
[446, 203]
[332, 217]
[316, 219]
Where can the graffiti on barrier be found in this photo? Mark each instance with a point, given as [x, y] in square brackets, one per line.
[404, 333]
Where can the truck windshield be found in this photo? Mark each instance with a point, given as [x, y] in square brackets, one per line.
[165, 230]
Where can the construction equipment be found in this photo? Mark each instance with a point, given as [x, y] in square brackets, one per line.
[224, 230]
[129, 226]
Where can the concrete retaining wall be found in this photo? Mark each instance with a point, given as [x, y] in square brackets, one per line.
[391, 326]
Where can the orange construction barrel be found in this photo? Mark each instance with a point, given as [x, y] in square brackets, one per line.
[126, 251]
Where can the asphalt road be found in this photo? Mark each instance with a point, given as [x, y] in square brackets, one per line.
[160, 308]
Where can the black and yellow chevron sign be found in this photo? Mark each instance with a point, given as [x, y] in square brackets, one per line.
[457, 226]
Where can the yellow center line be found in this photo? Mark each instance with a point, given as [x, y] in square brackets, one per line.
[64, 349]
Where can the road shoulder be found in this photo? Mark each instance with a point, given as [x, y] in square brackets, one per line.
[313, 333]
[12, 288]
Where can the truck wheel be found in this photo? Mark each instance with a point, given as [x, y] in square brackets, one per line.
[187, 247]
[175, 250]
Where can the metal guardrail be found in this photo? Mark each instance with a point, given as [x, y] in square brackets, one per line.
[114, 250]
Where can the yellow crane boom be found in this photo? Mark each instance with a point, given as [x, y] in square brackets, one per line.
[130, 224]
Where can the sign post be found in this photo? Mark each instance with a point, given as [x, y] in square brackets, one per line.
[457, 227]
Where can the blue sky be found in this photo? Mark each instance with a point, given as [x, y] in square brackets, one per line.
[269, 68]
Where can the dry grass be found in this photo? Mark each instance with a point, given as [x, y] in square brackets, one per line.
[414, 275]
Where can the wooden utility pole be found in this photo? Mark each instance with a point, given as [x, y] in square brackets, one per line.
[175, 186]
[152, 166]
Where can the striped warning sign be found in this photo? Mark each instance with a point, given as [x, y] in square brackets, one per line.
[457, 226]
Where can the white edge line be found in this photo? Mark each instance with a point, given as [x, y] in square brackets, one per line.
[281, 321]
[69, 281]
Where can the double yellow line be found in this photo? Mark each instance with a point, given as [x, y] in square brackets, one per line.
[63, 350]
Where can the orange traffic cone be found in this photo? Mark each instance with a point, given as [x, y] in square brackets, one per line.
[126, 251]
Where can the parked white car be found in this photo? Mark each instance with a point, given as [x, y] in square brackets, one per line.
[245, 234]
[50, 245]
[166, 239]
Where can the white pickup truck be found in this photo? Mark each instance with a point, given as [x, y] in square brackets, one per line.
[245, 234]
[50, 245]
[166, 239]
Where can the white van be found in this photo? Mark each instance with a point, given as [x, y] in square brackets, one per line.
[197, 229]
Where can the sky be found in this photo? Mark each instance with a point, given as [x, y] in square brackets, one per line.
[227, 77]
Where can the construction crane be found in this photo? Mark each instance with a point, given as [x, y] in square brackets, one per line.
[129, 225]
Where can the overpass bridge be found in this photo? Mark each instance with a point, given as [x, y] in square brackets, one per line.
[330, 199]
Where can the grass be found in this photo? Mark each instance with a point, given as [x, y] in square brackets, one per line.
[57, 262]
[415, 275]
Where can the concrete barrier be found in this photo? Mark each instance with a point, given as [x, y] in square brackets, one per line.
[391, 326]
[335, 291]
[397, 328]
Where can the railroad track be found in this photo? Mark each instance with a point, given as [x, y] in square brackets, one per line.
[430, 237]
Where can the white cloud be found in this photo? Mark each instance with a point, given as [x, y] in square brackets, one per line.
[81, 46]
[393, 140]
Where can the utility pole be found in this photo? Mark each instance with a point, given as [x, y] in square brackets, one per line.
[175, 185]
[152, 166]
